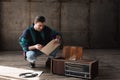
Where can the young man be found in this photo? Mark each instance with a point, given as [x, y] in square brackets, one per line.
[35, 37]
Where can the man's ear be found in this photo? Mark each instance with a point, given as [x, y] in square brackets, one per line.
[34, 22]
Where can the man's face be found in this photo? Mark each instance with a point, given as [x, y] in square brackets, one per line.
[38, 26]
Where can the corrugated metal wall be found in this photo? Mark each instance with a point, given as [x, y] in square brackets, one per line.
[87, 23]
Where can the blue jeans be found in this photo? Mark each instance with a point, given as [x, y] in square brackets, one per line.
[32, 55]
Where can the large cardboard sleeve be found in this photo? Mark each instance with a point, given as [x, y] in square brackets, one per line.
[50, 47]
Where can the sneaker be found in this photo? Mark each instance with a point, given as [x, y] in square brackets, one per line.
[32, 65]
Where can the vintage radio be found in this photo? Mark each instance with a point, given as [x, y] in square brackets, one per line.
[69, 53]
[87, 69]
[72, 64]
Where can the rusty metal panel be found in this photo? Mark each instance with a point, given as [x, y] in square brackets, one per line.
[48, 9]
[74, 23]
[103, 24]
[76, 38]
[42, 0]
[118, 37]
[14, 18]
[5, 0]
[87, 23]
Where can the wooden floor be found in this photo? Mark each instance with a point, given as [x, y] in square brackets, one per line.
[109, 64]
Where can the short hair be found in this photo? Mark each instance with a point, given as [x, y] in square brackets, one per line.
[39, 19]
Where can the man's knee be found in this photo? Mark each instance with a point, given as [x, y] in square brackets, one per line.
[30, 54]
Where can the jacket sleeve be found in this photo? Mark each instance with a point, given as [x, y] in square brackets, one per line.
[54, 34]
[24, 40]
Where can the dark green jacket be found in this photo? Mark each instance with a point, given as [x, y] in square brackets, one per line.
[31, 37]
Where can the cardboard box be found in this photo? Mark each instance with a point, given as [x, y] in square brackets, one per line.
[72, 52]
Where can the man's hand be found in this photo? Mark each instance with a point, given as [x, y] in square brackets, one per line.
[38, 46]
[57, 39]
